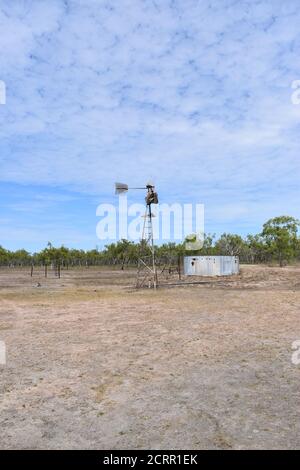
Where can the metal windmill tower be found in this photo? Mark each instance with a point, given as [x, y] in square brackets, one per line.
[147, 272]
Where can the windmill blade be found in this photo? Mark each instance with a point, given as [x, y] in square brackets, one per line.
[121, 188]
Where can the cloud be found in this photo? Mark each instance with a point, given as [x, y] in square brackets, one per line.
[195, 95]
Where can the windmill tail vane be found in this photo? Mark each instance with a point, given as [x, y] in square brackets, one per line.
[123, 188]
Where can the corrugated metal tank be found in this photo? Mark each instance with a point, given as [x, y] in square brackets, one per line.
[211, 265]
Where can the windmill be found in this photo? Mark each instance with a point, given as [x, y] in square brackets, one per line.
[146, 273]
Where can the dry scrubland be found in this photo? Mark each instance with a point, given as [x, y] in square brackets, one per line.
[91, 363]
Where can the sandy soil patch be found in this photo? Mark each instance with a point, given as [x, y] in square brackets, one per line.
[92, 363]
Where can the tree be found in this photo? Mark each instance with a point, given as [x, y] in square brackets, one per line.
[208, 244]
[256, 249]
[5, 256]
[21, 258]
[278, 239]
[280, 235]
[229, 245]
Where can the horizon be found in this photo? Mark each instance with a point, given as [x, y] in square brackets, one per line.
[215, 238]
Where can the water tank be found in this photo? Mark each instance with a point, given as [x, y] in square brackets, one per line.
[211, 265]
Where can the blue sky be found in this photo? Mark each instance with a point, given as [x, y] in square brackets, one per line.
[195, 95]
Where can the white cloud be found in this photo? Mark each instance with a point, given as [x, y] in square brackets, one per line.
[105, 90]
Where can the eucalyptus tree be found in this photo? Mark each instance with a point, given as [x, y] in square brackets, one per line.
[280, 236]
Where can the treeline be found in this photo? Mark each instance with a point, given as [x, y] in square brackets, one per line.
[278, 242]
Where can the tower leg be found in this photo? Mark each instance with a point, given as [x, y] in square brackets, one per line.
[147, 273]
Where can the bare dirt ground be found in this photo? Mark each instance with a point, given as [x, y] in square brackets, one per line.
[92, 363]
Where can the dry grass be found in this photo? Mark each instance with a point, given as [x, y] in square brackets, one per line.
[92, 363]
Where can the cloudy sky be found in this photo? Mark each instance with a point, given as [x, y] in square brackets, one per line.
[192, 94]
